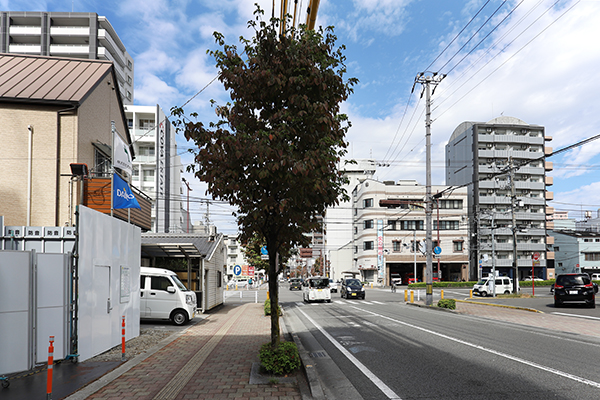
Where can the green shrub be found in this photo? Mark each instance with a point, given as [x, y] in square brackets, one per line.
[282, 360]
[447, 303]
[267, 307]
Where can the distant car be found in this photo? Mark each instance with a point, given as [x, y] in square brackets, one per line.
[296, 284]
[536, 279]
[575, 287]
[333, 286]
[352, 289]
[596, 277]
[239, 283]
[504, 285]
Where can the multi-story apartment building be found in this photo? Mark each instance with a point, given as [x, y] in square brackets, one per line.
[576, 251]
[235, 254]
[157, 167]
[338, 240]
[389, 231]
[67, 34]
[502, 163]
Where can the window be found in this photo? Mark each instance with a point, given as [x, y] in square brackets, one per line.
[129, 64]
[367, 203]
[368, 245]
[146, 151]
[356, 229]
[146, 124]
[160, 283]
[130, 123]
[148, 175]
[457, 246]
[101, 163]
[129, 80]
[452, 204]
[219, 279]
[368, 224]
[355, 249]
[396, 245]
[592, 256]
[392, 224]
[136, 172]
[556, 248]
[411, 225]
[446, 225]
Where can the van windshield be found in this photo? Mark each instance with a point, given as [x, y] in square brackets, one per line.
[180, 285]
[319, 283]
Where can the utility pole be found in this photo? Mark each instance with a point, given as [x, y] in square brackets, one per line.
[188, 203]
[513, 198]
[434, 80]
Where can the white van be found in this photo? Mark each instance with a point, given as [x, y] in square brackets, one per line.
[596, 277]
[504, 285]
[163, 296]
[316, 288]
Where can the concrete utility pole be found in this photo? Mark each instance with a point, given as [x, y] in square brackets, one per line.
[434, 80]
[513, 198]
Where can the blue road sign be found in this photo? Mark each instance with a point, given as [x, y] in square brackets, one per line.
[437, 250]
[263, 250]
[237, 270]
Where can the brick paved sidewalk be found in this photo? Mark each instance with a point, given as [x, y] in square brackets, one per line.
[212, 359]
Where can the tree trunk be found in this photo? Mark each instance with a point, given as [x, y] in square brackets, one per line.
[274, 297]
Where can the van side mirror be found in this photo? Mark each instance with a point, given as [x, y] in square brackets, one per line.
[171, 289]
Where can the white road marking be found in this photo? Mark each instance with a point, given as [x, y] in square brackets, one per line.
[376, 381]
[507, 356]
[575, 315]
[377, 302]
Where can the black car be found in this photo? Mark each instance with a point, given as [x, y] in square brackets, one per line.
[296, 284]
[575, 287]
[352, 288]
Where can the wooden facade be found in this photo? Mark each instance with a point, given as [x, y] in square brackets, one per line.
[97, 192]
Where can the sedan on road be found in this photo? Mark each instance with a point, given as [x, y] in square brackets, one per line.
[575, 287]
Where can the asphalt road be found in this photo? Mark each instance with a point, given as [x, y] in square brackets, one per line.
[387, 349]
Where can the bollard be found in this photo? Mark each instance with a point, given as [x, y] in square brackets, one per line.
[418, 295]
[471, 293]
[371, 285]
[123, 340]
[50, 369]
[236, 287]
[405, 295]
[442, 293]
[412, 296]
[256, 297]
[268, 295]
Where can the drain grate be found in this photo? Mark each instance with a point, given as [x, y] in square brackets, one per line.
[318, 354]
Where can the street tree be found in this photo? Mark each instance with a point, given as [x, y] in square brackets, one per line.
[275, 150]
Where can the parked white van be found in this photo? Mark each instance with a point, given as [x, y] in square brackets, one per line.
[504, 285]
[163, 296]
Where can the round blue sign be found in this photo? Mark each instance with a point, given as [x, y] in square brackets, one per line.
[237, 270]
[263, 250]
[437, 250]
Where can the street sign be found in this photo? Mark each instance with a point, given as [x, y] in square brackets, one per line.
[437, 250]
[536, 256]
[237, 270]
[263, 250]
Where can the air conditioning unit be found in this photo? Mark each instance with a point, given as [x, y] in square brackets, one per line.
[491, 191]
[490, 145]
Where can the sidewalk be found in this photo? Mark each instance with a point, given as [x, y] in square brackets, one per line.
[212, 359]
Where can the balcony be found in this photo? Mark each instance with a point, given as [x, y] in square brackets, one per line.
[550, 255]
[547, 150]
[549, 195]
[69, 31]
[550, 225]
[25, 48]
[549, 210]
[547, 138]
[549, 181]
[548, 166]
[69, 50]
[25, 30]
[549, 239]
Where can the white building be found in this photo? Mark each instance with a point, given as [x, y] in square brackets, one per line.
[338, 221]
[157, 167]
[67, 34]
[389, 231]
[235, 254]
[479, 156]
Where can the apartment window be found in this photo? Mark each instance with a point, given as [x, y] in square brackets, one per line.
[128, 95]
[136, 172]
[129, 64]
[396, 245]
[457, 246]
[355, 249]
[368, 224]
[148, 175]
[146, 124]
[219, 279]
[451, 204]
[130, 123]
[556, 248]
[446, 225]
[146, 151]
[368, 245]
[592, 256]
[367, 203]
[101, 163]
[411, 225]
[587, 240]
[129, 80]
[392, 224]
[356, 229]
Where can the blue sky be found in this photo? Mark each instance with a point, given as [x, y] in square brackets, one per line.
[536, 61]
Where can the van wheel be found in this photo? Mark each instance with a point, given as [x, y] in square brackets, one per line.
[506, 292]
[179, 317]
[483, 294]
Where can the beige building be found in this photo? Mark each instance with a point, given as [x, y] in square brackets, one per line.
[54, 112]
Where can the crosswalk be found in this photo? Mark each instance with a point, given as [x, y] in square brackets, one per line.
[346, 302]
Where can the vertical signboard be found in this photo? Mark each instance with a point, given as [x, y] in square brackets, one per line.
[160, 173]
[380, 265]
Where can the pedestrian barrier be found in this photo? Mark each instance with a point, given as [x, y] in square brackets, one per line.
[242, 295]
[50, 369]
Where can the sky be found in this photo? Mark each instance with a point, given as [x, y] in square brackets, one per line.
[530, 59]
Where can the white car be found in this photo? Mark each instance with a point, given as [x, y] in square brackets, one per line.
[316, 288]
[333, 286]
[239, 283]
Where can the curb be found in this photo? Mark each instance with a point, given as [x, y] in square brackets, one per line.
[501, 305]
[316, 390]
